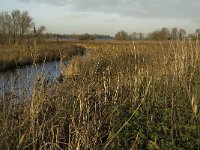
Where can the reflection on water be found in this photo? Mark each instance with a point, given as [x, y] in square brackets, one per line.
[22, 79]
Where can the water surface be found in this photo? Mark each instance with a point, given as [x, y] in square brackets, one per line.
[22, 79]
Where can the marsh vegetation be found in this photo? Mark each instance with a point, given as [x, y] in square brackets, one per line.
[123, 95]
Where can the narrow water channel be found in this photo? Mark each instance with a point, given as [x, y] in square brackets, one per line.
[22, 79]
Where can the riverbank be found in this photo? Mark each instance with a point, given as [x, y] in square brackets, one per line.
[13, 56]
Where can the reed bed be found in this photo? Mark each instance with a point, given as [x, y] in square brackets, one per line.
[12, 56]
[119, 96]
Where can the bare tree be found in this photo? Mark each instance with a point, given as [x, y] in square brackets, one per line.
[41, 30]
[134, 36]
[164, 34]
[1, 26]
[122, 35]
[16, 14]
[174, 33]
[39, 33]
[15, 24]
[154, 35]
[4, 26]
[8, 21]
[141, 36]
[198, 33]
[182, 34]
[25, 23]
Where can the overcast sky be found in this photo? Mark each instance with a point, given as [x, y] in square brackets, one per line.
[109, 16]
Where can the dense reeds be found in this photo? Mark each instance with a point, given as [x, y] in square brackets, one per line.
[119, 96]
[12, 56]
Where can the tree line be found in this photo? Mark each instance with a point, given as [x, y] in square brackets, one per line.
[85, 36]
[17, 26]
[162, 34]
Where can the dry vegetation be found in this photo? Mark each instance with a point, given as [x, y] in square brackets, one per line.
[12, 56]
[142, 95]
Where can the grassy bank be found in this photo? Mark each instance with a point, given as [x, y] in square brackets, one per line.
[12, 56]
[121, 96]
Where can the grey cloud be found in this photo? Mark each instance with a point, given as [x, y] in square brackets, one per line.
[26, 1]
[176, 9]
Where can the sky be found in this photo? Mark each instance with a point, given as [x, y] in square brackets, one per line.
[109, 16]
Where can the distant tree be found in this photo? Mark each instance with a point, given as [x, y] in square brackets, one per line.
[133, 36]
[14, 24]
[39, 33]
[41, 30]
[25, 23]
[5, 26]
[1, 27]
[198, 34]
[164, 34]
[154, 35]
[141, 36]
[15, 17]
[86, 36]
[182, 34]
[192, 36]
[174, 33]
[8, 22]
[121, 35]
